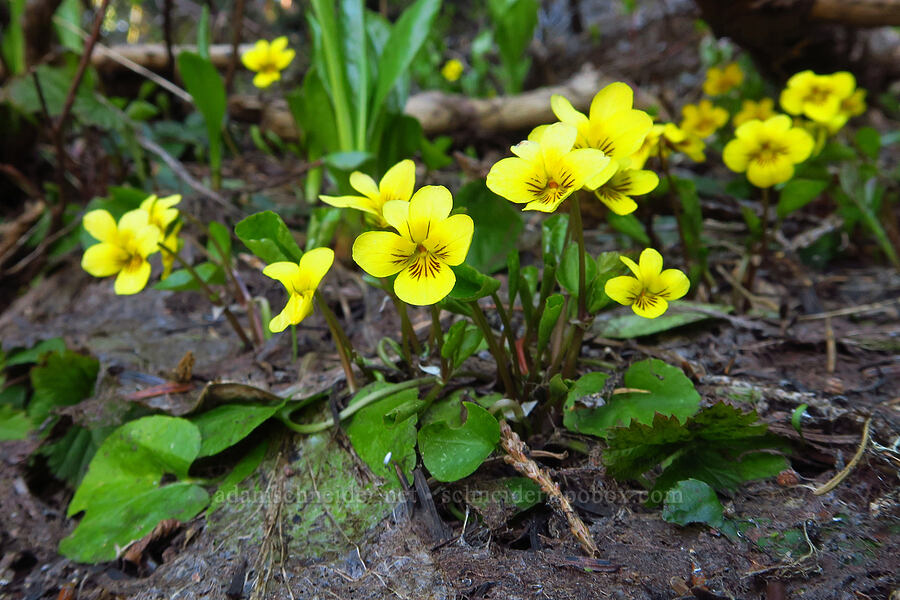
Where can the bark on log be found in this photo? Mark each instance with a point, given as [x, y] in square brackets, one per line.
[787, 36]
[439, 112]
[857, 13]
[154, 57]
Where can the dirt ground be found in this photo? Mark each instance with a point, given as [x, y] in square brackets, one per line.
[271, 543]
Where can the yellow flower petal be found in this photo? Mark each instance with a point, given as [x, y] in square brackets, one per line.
[398, 182]
[382, 253]
[449, 239]
[284, 272]
[589, 167]
[843, 83]
[622, 134]
[132, 279]
[356, 202]
[565, 112]
[649, 306]
[616, 201]
[146, 240]
[768, 173]
[103, 259]
[632, 266]
[264, 79]
[313, 266]
[101, 225]
[396, 214]
[651, 263]
[134, 221]
[364, 184]
[792, 100]
[530, 149]
[278, 44]
[425, 281]
[799, 143]
[298, 307]
[283, 59]
[556, 142]
[736, 155]
[429, 205]
[509, 178]
[613, 98]
[671, 284]
[623, 289]
[639, 181]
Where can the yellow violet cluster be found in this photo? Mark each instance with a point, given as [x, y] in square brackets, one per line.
[594, 151]
[300, 280]
[767, 150]
[124, 247]
[829, 100]
[268, 60]
[720, 81]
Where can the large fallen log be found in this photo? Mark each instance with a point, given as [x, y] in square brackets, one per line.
[154, 56]
[787, 36]
[439, 112]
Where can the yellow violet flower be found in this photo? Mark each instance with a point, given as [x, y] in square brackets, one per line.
[651, 289]
[682, 141]
[611, 126]
[428, 242]
[268, 60]
[721, 81]
[703, 119]
[751, 110]
[819, 97]
[852, 106]
[767, 150]
[616, 193]
[543, 174]
[452, 70]
[650, 147]
[300, 280]
[123, 248]
[397, 184]
[162, 214]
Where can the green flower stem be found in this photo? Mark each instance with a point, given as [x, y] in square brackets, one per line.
[675, 202]
[548, 280]
[293, 343]
[340, 340]
[510, 334]
[439, 340]
[410, 341]
[324, 10]
[213, 297]
[764, 229]
[578, 235]
[240, 290]
[495, 349]
[370, 398]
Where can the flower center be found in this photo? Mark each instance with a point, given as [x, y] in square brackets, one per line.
[549, 190]
[769, 152]
[818, 95]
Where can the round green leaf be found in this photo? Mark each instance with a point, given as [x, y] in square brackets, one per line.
[451, 453]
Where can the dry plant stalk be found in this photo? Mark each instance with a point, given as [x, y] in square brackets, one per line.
[515, 450]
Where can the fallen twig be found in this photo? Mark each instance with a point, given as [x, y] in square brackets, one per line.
[515, 455]
[834, 481]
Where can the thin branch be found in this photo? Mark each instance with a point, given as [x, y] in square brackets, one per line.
[238, 18]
